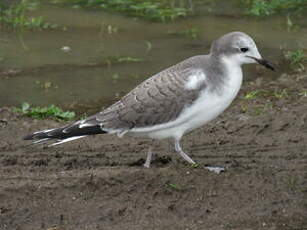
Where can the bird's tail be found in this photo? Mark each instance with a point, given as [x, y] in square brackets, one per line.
[64, 134]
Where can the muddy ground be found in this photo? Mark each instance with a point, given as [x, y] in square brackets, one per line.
[99, 182]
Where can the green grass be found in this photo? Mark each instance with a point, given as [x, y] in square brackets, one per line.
[296, 58]
[254, 110]
[254, 94]
[265, 7]
[259, 101]
[303, 93]
[121, 59]
[148, 9]
[16, 16]
[51, 111]
[280, 93]
[192, 32]
[174, 186]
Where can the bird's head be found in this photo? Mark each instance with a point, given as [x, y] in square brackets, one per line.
[239, 48]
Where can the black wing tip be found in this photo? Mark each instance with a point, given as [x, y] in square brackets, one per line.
[59, 134]
[35, 136]
[28, 137]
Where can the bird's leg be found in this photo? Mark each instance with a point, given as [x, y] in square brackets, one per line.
[148, 158]
[188, 159]
[180, 151]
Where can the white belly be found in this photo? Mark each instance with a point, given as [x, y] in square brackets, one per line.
[206, 108]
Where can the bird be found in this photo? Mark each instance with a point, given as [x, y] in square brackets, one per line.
[173, 102]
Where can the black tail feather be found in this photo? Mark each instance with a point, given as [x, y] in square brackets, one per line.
[65, 132]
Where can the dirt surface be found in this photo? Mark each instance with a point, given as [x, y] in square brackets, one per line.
[99, 182]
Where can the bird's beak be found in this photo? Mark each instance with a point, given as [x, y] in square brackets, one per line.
[263, 62]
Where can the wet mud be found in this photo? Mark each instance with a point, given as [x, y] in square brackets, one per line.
[99, 182]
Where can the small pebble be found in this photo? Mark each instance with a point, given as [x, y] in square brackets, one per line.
[66, 48]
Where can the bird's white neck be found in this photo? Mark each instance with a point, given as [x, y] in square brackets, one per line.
[234, 76]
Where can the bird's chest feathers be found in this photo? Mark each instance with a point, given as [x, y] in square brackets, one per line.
[233, 82]
[211, 103]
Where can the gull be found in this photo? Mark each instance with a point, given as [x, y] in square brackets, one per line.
[172, 102]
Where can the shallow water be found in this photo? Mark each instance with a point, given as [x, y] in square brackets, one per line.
[89, 40]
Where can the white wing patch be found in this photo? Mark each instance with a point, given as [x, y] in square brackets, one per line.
[41, 140]
[43, 131]
[66, 140]
[195, 80]
[83, 125]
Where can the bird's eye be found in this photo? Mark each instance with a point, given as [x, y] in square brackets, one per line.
[244, 49]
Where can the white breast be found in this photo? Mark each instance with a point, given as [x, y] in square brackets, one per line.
[207, 107]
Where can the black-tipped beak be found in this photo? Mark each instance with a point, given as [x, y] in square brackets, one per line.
[264, 62]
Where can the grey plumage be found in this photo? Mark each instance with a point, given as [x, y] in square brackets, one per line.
[159, 99]
[176, 100]
[153, 102]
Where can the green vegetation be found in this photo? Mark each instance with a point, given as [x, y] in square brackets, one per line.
[174, 186]
[296, 59]
[192, 32]
[257, 102]
[108, 29]
[280, 93]
[292, 183]
[15, 15]
[254, 110]
[127, 59]
[264, 7]
[303, 93]
[121, 59]
[149, 9]
[254, 94]
[45, 84]
[51, 111]
[195, 165]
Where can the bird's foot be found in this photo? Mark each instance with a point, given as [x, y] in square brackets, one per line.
[215, 169]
